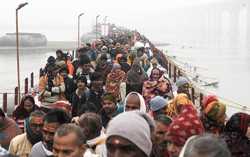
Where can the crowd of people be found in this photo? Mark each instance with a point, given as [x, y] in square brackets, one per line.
[115, 100]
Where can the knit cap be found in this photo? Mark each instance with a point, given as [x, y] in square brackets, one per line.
[138, 130]
[157, 103]
[181, 81]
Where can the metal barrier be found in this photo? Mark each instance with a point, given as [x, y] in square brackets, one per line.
[26, 90]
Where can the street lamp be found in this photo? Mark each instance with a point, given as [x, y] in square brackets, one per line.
[96, 18]
[20, 6]
[79, 28]
[105, 25]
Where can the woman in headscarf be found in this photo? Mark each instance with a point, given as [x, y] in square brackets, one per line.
[134, 101]
[24, 109]
[155, 64]
[186, 124]
[213, 114]
[157, 85]
[175, 105]
[135, 78]
[235, 135]
[114, 80]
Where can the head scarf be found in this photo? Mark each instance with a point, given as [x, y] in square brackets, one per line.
[235, 135]
[209, 120]
[174, 106]
[142, 102]
[32, 137]
[114, 80]
[239, 123]
[213, 108]
[185, 125]
[161, 73]
[20, 112]
[162, 87]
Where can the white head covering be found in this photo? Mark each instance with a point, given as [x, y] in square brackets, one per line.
[142, 102]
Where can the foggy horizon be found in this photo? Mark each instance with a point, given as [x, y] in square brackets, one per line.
[58, 19]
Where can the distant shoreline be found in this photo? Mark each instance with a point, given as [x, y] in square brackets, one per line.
[54, 45]
[51, 46]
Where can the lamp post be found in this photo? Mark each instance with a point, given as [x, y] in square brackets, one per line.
[20, 6]
[105, 25]
[79, 29]
[96, 22]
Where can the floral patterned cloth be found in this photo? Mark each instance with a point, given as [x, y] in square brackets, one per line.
[185, 125]
[155, 88]
[113, 82]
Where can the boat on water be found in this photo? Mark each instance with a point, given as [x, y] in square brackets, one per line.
[26, 40]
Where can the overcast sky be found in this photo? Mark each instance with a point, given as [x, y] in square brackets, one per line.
[57, 19]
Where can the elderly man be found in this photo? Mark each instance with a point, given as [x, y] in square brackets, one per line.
[52, 121]
[129, 135]
[206, 145]
[91, 124]
[21, 145]
[69, 141]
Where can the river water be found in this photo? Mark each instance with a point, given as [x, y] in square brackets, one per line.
[30, 61]
[230, 66]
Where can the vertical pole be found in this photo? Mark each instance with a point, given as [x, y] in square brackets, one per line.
[166, 64]
[32, 80]
[73, 54]
[169, 71]
[26, 85]
[179, 73]
[201, 98]
[41, 72]
[5, 102]
[16, 96]
[96, 22]
[17, 54]
[175, 73]
[78, 31]
[193, 97]
[96, 28]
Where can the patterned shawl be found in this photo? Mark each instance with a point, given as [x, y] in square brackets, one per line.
[185, 125]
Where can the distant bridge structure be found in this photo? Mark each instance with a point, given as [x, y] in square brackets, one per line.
[220, 23]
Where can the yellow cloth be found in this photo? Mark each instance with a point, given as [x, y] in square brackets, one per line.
[181, 99]
[20, 146]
